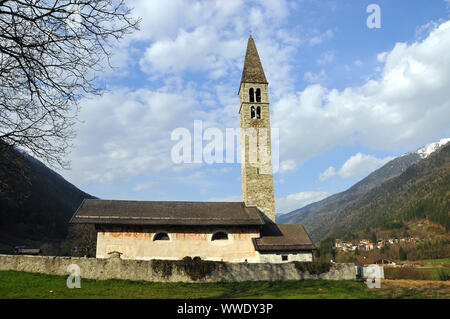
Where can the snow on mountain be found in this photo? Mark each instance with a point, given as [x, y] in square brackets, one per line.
[432, 147]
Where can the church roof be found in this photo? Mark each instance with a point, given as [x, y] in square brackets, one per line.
[283, 237]
[253, 70]
[97, 211]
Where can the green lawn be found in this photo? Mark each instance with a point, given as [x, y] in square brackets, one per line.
[28, 285]
[435, 261]
[426, 273]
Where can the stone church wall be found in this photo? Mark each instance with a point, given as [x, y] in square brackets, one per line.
[94, 268]
[257, 178]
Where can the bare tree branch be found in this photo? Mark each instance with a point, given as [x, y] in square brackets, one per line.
[49, 53]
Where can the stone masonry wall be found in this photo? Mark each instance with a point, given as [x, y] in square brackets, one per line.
[94, 268]
[256, 151]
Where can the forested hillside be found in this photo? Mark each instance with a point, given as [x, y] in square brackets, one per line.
[36, 203]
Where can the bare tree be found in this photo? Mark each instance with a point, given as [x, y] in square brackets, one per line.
[81, 240]
[50, 51]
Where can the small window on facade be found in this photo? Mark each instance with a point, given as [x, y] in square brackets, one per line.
[258, 112]
[220, 236]
[258, 95]
[257, 171]
[284, 257]
[252, 112]
[161, 236]
[252, 95]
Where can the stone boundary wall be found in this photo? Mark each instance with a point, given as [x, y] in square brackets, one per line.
[116, 268]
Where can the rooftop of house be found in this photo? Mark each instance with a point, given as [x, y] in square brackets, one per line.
[283, 237]
[173, 213]
[274, 237]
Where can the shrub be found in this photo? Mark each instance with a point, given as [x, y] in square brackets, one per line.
[198, 269]
[409, 273]
[444, 274]
[402, 254]
[313, 268]
[195, 269]
[162, 267]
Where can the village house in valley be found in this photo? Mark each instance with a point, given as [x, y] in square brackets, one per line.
[222, 231]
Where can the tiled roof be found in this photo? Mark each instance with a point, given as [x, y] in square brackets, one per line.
[283, 237]
[97, 211]
[253, 71]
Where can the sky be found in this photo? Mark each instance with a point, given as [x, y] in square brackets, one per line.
[345, 98]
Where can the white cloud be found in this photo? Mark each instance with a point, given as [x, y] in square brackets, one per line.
[408, 106]
[196, 175]
[359, 164]
[208, 173]
[286, 166]
[315, 77]
[210, 36]
[318, 39]
[355, 166]
[200, 50]
[146, 186]
[164, 19]
[424, 30]
[298, 200]
[326, 57]
[127, 133]
[328, 173]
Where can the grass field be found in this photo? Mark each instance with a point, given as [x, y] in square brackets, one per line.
[28, 285]
[435, 261]
[429, 273]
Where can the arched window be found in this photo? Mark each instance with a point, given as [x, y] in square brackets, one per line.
[258, 112]
[161, 236]
[220, 236]
[252, 112]
[258, 95]
[251, 94]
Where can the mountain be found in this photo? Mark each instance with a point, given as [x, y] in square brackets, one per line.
[342, 212]
[36, 203]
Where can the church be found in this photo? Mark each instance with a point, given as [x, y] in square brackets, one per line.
[219, 231]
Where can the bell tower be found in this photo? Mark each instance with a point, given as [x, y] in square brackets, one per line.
[255, 143]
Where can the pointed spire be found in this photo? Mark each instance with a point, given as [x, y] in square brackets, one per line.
[253, 70]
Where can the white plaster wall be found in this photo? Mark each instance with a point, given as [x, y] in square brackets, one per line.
[197, 242]
[276, 257]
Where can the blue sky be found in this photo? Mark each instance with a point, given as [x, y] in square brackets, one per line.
[345, 98]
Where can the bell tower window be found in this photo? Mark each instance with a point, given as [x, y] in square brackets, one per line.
[252, 95]
[258, 95]
[252, 113]
[258, 112]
